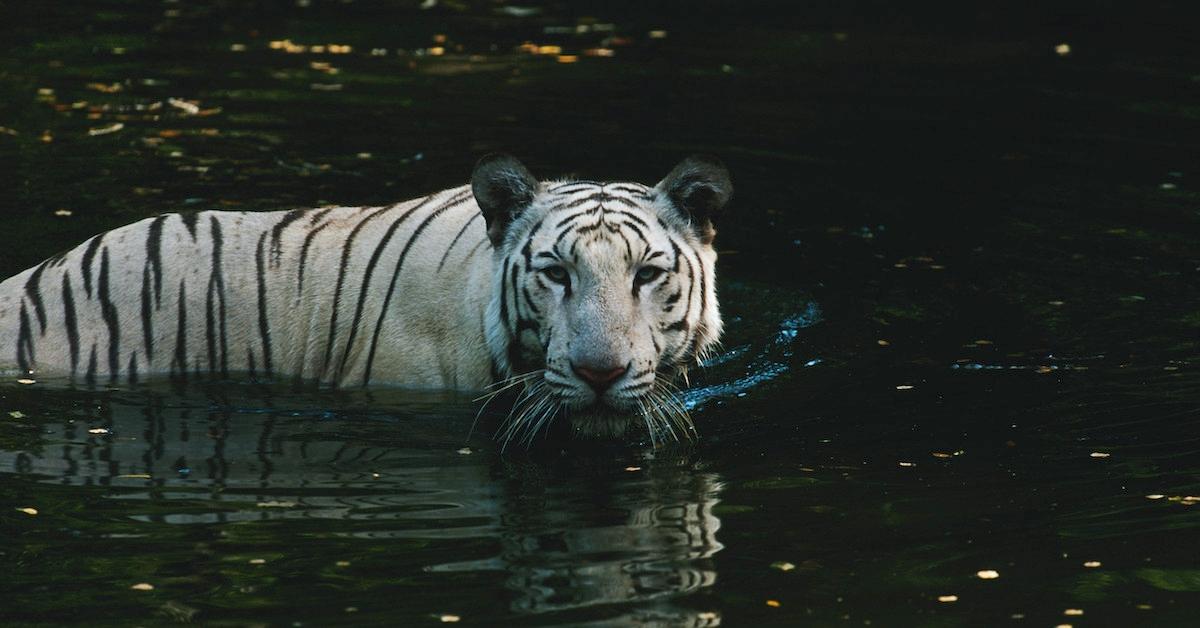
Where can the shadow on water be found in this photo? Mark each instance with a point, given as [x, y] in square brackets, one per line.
[384, 485]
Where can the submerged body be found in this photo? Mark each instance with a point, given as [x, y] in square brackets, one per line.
[590, 296]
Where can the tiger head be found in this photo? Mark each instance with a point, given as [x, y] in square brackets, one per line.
[603, 293]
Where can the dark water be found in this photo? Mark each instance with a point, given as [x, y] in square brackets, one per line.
[961, 274]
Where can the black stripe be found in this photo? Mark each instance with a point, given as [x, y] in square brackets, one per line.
[180, 359]
[529, 301]
[264, 325]
[625, 187]
[628, 215]
[34, 292]
[147, 325]
[628, 246]
[25, 356]
[90, 378]
[370, 271]
[318, 216]
[86, 265]
[622, 200]
[678, 325]
[516, 268]
[586, 212]
[682, 323]
[655, 254]
[154, 255]
[596, 226]
[218, 275]
[189, 220]
[341, 280]
[58, 259]
[277, 233]
[527, 323]
[455, 240]
[641, 234]
[392, 287]
[598, 197]
[570, 187]
[251, 365]
[308, 240]
[475, 248]
[72, 325]
[109, 312]
[504, 294]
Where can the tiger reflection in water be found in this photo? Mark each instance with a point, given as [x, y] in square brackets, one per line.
[569, 538]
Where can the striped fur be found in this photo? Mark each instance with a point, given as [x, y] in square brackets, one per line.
[413, 294]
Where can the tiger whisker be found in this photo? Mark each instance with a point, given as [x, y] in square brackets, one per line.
[518, 418]
[507, 384]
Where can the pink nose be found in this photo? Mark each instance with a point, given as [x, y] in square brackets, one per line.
[599, 379]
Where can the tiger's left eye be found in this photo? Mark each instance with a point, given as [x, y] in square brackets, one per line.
[647, 274]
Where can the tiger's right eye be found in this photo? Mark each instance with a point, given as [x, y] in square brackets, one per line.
[557, 274]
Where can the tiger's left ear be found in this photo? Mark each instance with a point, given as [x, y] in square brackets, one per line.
[503, 188]
[699, 187]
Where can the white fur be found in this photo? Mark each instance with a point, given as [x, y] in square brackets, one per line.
[442, 326]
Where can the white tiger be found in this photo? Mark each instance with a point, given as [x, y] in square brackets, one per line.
[591, 295]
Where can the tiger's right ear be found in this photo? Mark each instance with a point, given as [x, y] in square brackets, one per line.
[503, 187]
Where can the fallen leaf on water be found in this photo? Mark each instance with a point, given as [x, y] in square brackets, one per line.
[466, 451]
[32, 512]
[107, 88]
[63, 212]
[449, 619]
[98, 430]
[105, 130]
[276, 504]
[947, 598]
[783, 566]
[987, 574]
[257, 561]
[1073, 611]
[773, 603]
[1092, 564]
[142, 586]
[26, 381]
[185, 106]
[1099, 454]
[16, 414]
[135, 476]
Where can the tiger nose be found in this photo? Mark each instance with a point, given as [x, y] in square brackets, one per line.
[599, 378]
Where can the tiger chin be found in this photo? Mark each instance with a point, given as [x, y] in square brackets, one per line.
[587, 299]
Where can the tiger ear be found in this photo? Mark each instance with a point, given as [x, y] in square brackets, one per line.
[699, 187]
[503, 187]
